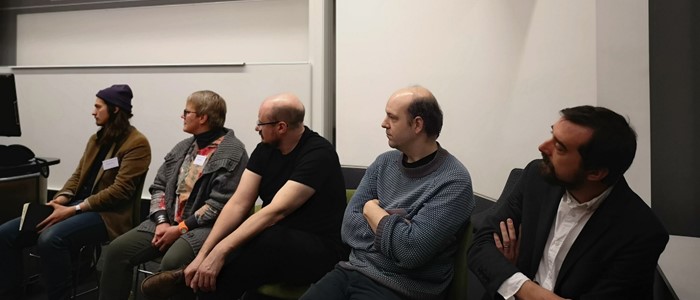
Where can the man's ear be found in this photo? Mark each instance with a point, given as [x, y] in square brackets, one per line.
[419, 123]
[116, 109]
[597, 174]
[282, 126]
[203, 119]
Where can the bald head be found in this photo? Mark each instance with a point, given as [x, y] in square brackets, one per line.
[414, 92]
[422, 104]
[286, 108]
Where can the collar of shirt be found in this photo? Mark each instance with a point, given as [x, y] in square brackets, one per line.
[590, 205]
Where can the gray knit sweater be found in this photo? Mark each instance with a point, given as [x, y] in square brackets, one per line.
[219, 180]
[413, 250]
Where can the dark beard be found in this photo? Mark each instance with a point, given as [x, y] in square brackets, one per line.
[548, 173]
[274, 144]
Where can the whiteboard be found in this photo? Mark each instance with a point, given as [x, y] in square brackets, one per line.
[56, 105]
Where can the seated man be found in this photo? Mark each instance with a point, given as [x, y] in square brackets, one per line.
[295, 237]
[585, 233]
[93, 206]
[403, 221]
[197, 178]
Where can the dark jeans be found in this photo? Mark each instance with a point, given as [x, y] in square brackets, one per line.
[347, 284]
[277, 254]
[54, 245]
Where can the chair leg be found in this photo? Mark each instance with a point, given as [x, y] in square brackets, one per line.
[27, 279]
[134, 291]
[140, 270]
[76, 278]
[76, 273]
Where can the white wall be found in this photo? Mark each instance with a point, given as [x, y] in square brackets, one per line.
[501, 71]
[267, 31]
[248, 31]
[623, 77]
[272, 37]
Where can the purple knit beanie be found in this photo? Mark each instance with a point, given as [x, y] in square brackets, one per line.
[119, 95]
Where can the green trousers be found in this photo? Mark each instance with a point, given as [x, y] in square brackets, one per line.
[131, 249]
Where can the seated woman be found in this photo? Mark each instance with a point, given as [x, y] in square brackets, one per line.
[197, 178]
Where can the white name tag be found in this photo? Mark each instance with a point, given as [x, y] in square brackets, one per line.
[199, 160]
[110, 163]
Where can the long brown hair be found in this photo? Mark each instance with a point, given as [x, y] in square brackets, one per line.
[117, 127]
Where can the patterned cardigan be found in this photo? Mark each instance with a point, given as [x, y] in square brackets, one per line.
[219, 180]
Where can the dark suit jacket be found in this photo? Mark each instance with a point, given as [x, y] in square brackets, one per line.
[614, 256]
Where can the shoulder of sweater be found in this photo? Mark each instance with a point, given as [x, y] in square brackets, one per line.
[230, 148]
[391, 155]
[232, 141]
[453, 165]
[230, 152]
[183, 145]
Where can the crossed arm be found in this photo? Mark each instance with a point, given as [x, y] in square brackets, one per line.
[409, 238]
[509, 245]
[373, 213]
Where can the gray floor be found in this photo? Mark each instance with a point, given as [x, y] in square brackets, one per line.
[37, 291]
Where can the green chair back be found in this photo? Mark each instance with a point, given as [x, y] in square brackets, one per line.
[458, 287]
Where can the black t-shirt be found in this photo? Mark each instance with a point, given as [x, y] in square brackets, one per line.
[314, 163]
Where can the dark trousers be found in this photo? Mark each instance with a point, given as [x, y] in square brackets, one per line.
[341, 284]
[277, 254]
[55, 246]
[132, 248]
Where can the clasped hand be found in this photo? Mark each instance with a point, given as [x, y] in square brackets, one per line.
[59, 213]
[201, 273]
[165, 236]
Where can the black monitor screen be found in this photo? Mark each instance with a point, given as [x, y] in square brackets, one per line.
[9, 114]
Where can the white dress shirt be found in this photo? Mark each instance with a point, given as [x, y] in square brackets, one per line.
[571, 217]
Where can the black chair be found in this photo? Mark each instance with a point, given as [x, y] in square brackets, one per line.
[485, 207]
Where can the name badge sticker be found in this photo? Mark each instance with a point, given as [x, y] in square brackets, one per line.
[110, 163]
[199, 160]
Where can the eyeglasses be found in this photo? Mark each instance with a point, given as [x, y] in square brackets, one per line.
[185, 112]
[267, 123]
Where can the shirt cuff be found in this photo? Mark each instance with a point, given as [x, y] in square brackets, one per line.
[87, 204]
[512, 285]
[191, 222]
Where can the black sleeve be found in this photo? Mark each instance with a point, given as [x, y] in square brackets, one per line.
[258, 159]
[483, 258]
